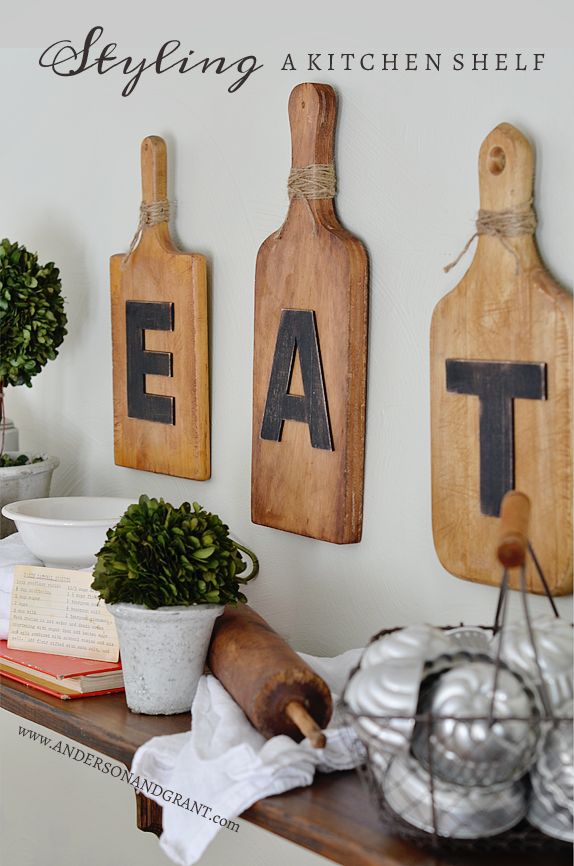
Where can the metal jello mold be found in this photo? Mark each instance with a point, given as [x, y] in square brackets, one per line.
[383, 699]
[466, 747]
[470, 638]
[554, 638]
[414, 641]
[439, 808]
[552, 802]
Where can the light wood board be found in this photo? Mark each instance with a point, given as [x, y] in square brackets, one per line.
[497, 315]
[158, 273]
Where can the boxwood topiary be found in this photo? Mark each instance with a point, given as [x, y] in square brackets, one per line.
[32, 317]
[7, 461]
[159, 555]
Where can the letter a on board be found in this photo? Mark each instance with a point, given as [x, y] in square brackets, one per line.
[297, 333]
[310, 347]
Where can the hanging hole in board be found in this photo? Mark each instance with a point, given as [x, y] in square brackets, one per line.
[496, 160]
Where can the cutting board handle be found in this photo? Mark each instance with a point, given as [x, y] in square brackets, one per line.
[514, 522]
[506, 169]
[154, 169]
[312, 116]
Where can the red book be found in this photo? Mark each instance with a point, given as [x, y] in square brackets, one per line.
[63, 676]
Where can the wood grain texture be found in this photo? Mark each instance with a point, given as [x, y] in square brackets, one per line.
[149, 815]
[333, 817]
[514, 529]
[495, 314]
[103, 723]
[157, 272]
[313, 264]
[264, 675]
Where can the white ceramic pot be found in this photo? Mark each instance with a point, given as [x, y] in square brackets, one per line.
[163, 654]
[30, 481]
[11, 436]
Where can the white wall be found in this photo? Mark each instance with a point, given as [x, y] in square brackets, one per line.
[406, 157]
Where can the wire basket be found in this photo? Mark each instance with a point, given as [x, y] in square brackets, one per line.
[449, 779]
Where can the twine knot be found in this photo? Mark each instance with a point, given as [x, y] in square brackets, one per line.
[150, 215]
[502, 224]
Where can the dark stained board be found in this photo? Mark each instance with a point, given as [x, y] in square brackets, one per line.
[310, 356]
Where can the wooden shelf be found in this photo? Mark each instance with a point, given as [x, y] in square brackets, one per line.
[333, 817]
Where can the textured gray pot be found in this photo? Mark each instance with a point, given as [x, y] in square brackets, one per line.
[31, 481]
[163, 654]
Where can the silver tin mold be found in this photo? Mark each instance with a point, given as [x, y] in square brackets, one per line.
[384, 700]
[466, 749]
[413, 642]
[545, 814]
[471, 638]
[470, 814]
[554, 639]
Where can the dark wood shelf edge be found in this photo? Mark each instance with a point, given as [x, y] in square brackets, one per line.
[34, 707]
[333, 817]
[325, 834]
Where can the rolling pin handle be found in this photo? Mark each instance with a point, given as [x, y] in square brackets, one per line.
[154, 169]
[514, 521]
[306, 724]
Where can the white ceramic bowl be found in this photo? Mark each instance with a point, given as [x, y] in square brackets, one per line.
[66, 531]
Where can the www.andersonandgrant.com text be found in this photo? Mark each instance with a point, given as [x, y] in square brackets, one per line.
[142, 785]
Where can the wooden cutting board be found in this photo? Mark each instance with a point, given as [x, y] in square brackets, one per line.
[501, 390]
[160, 344]
[310, 356]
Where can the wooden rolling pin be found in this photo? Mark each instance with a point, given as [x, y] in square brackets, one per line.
[276, 690]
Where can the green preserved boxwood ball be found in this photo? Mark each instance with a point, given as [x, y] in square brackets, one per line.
[21, 460]
[32, 317]
[159, 555]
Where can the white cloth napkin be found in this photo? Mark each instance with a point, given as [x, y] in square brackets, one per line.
[13, 552]
[224, 764]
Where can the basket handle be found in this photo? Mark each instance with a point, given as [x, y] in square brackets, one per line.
[514, 523]
[513, 546]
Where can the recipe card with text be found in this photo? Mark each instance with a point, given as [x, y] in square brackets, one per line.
[54, 610]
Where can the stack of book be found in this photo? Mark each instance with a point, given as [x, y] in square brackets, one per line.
[64, 677]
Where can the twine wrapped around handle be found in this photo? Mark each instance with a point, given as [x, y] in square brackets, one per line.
[502, 224]
[310, 183]
[150, 215]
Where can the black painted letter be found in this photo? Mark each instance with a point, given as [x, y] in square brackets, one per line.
[142, 316]
[297, 333]
[497, 384]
